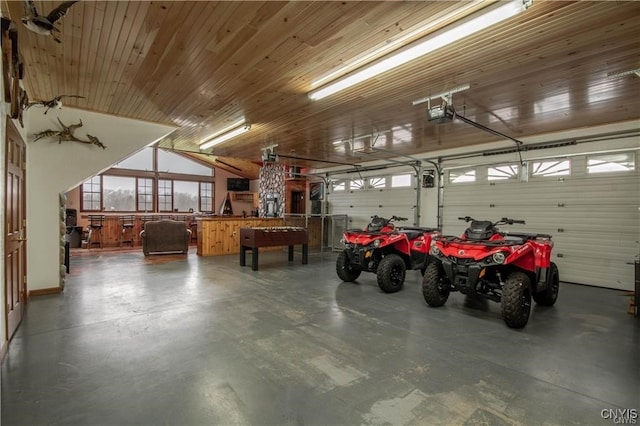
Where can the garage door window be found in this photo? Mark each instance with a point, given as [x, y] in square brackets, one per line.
[459, 176]
[356, 184]
[618, 162]
[551, 168]
[503, 172]
[400, 181]
[377, 182]
[338, 185]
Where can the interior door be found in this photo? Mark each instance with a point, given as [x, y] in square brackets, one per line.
[297, 202]
[15, 230]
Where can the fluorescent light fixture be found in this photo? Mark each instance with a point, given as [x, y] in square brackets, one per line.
[623, 73]
[227, 133]
[487, 17]
[238, 123]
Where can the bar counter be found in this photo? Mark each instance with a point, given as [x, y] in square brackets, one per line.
[220, 235]
[215, 235]
[112, 226]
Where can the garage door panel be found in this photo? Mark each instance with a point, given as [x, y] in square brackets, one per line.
[582, 270]
[360, 205]
[594, 219]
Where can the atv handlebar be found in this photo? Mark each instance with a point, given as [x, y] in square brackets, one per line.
[512, 221]
[504, 220]
[398, 218]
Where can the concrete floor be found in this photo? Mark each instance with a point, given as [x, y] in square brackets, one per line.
[185, 340]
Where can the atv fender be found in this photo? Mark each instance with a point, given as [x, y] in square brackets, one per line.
[542, 278]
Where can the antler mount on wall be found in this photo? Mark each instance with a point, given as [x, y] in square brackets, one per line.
[66, 134]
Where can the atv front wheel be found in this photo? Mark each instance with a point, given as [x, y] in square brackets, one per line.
[391, 272]
[434, 288]
[516, 300]
[346, 270]
[549, 295]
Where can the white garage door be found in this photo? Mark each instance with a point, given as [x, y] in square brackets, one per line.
[362, 197]
[589, 204]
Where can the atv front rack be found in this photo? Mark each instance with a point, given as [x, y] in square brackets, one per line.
[510, 239]
[360, 231]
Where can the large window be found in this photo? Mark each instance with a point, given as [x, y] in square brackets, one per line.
[119, 193]
[174, 163]
[133, 185]
[185, 196]
[92, 194]
[165, 195]
[145, 195]
[206, 196]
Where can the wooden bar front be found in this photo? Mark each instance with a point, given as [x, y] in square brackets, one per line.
[112, 234]
[254, 238]
[220, 235]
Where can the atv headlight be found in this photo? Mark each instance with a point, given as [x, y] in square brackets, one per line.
[377, 243]
[499, 257]
[435, 251]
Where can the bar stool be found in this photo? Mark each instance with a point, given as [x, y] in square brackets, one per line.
[146, 218]
[127, 223]
[193, 225]
[96, 223]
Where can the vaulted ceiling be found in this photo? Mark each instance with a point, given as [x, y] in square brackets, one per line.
[202, 65]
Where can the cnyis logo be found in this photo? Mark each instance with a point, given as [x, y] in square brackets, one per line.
[620, 416]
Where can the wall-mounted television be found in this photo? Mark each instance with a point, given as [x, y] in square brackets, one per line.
[237, 184]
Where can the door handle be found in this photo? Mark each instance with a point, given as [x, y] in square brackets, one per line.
[20, 240]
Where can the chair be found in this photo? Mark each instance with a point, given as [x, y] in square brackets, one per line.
[96, 223]
[165, 236]
[127, 223]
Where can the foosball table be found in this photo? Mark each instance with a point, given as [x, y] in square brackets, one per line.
[254, 238]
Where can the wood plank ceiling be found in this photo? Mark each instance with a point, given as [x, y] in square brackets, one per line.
[201, 65]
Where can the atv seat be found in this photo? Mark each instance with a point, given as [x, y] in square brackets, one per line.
[411, 233]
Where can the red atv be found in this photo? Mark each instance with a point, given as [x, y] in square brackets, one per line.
[509, 268]
[386, 250]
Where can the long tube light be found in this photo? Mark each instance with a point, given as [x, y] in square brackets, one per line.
[225, 134]
[487, 17]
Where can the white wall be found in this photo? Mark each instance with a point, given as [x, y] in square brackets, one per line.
[54, 168]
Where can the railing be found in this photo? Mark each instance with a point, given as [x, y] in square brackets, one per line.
[325, 230]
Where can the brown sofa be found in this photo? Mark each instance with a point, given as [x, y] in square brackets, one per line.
[165, 236]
